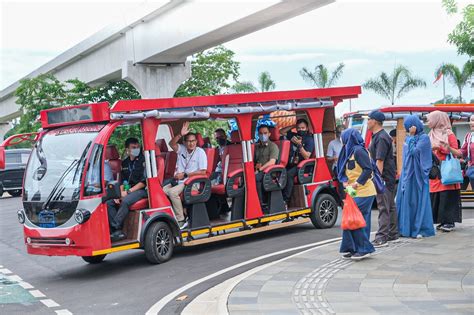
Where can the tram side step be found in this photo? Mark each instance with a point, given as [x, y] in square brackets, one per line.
[245, 232]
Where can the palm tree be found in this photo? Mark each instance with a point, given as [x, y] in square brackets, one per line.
[244, 87]
[320, 76]
[458, 77]
[265, 81]
[395, 85]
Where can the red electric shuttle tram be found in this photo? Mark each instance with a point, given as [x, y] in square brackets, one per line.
[63, 215]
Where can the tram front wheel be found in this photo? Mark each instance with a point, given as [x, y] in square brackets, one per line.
[159, 243]
[94, 259]
[325, 212]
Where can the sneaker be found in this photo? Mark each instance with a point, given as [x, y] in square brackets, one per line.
[393, 239]
[358, 256]
[347, 255]
[438, 227]
[380, 243]
[183, 224]
[447, 227]
[419, 236]
[118, 236]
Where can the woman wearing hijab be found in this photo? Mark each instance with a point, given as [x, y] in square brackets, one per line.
[355, 169]
[415, 218]
[445, 199]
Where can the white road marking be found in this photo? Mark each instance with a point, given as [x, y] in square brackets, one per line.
[37, 293]
[158, 306]
[49, 303]
[25, 285]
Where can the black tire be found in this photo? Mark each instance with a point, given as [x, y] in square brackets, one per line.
[1, 190]
[159, 243]
[15, 193]
[325, 212]
[94, 259]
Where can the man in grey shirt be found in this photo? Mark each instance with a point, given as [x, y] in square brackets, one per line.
[334, 148]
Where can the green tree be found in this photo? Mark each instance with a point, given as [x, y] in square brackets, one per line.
[463, 34]
[265, 82]
[458, 77]
[395, 85]
[243, 87]
[320, 76]
[211, 72]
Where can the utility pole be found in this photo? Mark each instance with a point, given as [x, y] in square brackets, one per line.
[444, 92]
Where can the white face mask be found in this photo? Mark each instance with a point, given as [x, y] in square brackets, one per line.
[264, 138]
[135, 152]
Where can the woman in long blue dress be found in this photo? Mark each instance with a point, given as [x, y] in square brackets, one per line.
[415, 217]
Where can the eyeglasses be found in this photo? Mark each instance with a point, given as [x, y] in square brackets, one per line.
[191, 140]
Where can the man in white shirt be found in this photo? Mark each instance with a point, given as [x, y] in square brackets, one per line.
[334, 148]
[192, 161]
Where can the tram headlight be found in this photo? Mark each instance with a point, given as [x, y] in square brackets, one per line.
[81, 215]
[21, 216]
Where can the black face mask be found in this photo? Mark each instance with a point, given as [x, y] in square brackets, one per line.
[221, 141]
[302, 133]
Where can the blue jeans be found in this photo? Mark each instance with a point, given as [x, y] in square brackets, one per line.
[358, 241]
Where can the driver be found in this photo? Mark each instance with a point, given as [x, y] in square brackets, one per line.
[132, 188]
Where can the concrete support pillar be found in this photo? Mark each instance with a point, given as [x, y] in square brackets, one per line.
[156, 81]
[4, 127]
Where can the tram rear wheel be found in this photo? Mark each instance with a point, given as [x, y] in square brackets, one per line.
[94, 259]
[159, 243]
[325, 212]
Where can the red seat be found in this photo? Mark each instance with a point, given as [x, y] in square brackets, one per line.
[200, 140]
[139, 205]
[112, 155]
[283, 146]
[231, 161]
[169, 158]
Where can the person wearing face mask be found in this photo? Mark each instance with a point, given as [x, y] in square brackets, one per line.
[132, 188]
[302, 146]
[221, 139]
[266, 154]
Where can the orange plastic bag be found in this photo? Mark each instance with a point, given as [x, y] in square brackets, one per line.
[352, 218]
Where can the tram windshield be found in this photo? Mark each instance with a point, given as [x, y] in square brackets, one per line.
[54, 174]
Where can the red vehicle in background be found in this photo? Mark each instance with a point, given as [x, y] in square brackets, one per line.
[64, 213]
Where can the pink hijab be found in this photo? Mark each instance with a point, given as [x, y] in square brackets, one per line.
[440, 128]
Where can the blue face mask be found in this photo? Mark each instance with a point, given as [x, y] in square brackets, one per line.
[264, 138]
[135, 152]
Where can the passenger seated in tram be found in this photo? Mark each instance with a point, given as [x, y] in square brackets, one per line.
[132, 188]
[266, 154]
[302, 147]
[93, 179]
[221, 139]
[192, 161]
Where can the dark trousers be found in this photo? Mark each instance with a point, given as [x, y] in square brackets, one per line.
[388, 220]
[259, 182]
[290, 182]
[116, 218]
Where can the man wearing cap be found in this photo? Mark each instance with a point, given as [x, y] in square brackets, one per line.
[381, 151]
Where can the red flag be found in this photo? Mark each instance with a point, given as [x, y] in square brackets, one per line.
[440, 74]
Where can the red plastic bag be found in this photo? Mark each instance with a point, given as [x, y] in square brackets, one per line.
[352, 218]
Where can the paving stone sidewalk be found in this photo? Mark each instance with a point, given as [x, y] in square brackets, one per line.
[428, 276]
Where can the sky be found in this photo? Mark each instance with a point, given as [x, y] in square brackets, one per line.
[367, 36]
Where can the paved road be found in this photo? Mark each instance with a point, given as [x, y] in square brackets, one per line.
[126, 283]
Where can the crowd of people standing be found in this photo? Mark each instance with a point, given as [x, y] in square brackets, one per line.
[421, 198]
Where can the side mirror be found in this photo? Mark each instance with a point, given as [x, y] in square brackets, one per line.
[2, 158]
[112, 191]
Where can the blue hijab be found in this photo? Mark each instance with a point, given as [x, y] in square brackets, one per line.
[413, 197]
[351, 140]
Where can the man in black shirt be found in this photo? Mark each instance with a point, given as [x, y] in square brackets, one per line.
[302, 146]
[132, 188]
[381, 151]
